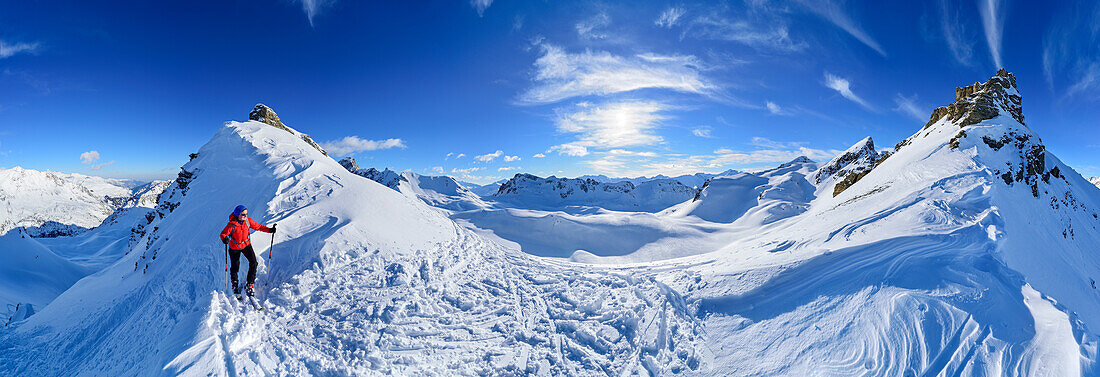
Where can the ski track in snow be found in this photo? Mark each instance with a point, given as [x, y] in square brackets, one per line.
[468, 307]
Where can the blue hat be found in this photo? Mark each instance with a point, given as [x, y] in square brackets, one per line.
[237, 211]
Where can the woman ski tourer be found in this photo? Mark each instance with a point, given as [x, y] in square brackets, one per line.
[235, 235]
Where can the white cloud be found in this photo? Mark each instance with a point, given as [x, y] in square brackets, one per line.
[314, 7]
[954, 33]
[832, 12]
[539, 155]
[773, 36]
[570, 149]
[511, 158]
[9, 50]
[508, 168]
[611, 125]
[701, 132]
[438, 169]
[909, 106]
[561, 75]
[842, 86]
[624, 152]
[668, 18]
[353, 144]
[466, 170]
[480, 6]
[774, 109]
[489, 157]
[723, 151]
[101, 166]
[992, 12]
[89, 157]
[460, 155]
[591, 28]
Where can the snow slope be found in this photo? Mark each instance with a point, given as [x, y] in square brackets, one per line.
[934, 263]
[1095, 181]
[364, 281]
[31, 198]
[31, 273]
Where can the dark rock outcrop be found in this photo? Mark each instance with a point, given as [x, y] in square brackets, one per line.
[978, 102]
[264, 114]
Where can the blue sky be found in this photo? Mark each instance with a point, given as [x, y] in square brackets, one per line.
[481, 90]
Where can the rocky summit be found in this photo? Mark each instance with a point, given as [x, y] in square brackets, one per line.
[262, 113]
[978, 102]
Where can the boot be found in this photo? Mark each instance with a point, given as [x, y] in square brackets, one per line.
[250, 290]
[236, 288]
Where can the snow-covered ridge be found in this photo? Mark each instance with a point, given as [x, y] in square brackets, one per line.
[849, 166]
[690, 180]
[437, 191]
[1095, 181]
[31, 199]
[530, 191]
[364, 281]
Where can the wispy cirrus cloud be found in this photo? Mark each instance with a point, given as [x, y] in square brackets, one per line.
[910, 107]
[609, 126]
[1072, 58]
[993, 16]
[772, 36]
[592, 28]
[703, 132]
[353, 144]
[8, 50]
[314, 7]
[669, 17]
[561, 75]
[955, 34]
[480, 6]
[844, 87]
[834, 12]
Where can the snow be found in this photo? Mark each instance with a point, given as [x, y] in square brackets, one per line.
[363, 280]
[1095, 181]
[31, 198]
[970, 250]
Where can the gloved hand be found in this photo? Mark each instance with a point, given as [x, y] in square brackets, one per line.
[273, 228]
[225, 240]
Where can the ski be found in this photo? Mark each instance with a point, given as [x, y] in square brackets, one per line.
[255, 304]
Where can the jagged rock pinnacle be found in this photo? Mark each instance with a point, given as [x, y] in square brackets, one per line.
[978, 102]
[262, 113]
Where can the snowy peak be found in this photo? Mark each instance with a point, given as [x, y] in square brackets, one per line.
[48, 204]
[264, 114]
[978, 102]
[857, 158]
[386, 177]
[552, 192]
[1095, 181]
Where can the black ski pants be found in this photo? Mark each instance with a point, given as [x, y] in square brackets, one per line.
[235, 263]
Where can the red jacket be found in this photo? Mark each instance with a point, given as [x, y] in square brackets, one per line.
[237, 231]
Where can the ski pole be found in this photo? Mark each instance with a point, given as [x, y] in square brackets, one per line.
[268, 284]
[227, 267]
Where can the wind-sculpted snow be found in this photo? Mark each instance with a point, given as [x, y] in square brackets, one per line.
[363, 281]
[465, 307]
